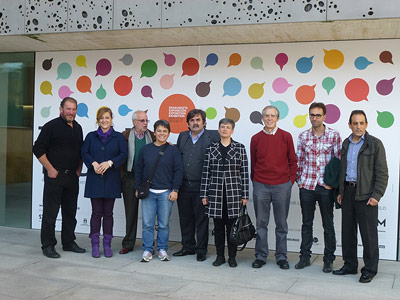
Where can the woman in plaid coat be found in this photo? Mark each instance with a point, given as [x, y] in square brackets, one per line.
[224, 185]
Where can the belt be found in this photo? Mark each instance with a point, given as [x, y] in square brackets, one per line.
[351, 184]
[65, 171]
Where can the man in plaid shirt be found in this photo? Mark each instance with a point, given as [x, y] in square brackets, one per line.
[315, 148]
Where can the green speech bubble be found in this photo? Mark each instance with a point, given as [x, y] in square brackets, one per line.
[149, 68]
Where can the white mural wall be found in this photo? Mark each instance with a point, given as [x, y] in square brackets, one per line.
[234, 81]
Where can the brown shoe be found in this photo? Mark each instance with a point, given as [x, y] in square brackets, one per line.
[125, 250]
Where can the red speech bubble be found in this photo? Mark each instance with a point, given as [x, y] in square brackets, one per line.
[123, 85]
[190, 67]
[174, 109]
[305, 94]
[357, 90]
[84, 84]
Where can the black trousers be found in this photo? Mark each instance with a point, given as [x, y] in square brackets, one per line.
[60, 191]
[193, 222]
[131, 204]
[366, 216]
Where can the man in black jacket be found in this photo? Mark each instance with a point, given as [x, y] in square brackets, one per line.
[193, 220]
[362, 182]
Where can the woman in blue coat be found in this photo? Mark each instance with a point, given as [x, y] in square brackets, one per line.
[104, 151]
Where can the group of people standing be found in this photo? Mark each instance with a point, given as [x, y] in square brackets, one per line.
[206, 172]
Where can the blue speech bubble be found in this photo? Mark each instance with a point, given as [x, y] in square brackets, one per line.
[123, 110]
[304, 64]
[82, 110]
[232, 86]
[362, 62]
[211, 59]
[282, 107]
[64, 70]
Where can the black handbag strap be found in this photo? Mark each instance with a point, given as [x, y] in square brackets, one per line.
[161, 153]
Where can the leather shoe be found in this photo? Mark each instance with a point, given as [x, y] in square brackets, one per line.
[125, 250]
[302, 263]
[365, 278]
[50, 252]
[74, 248]
[344, 271]
[283, 264]
[232, 262]
[183, 252]
[327, 267]
[258, 263]
[201, 257]
[219, 261]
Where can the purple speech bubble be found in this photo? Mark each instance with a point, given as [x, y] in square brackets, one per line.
[103, 67]
[147, 92]
[281, 59]
[169, 59]
[332, 114]
[64, 91]
[385, 86]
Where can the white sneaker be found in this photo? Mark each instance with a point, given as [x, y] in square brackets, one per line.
[163, 255]
[146, 257]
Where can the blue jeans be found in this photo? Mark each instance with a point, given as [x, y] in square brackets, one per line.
[156, 205]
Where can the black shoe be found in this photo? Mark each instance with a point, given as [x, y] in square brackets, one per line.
[258, 263]
[74, 248]
[201, 257]
[184, 252]
[50, 252]
[327, 267]
[283, 264]
[365, 278]
[344, 271]
[232, 262]
[302, 263]
[219, 261]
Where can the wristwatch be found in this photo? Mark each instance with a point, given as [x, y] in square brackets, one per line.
[110, 163]
[176, 191]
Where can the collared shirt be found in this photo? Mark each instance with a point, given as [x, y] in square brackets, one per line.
[139, 136]
[272, 132]
[195, 139]
[313, 154]
[352, 156]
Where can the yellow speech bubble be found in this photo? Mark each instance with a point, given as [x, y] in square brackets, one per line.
[333, 59]
[46, 88]
[300, 121]
[81, 61]
[256, 90]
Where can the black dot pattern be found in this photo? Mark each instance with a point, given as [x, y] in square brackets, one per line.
[129, 14]
[90, 15]
[10, 18]
[46, 16]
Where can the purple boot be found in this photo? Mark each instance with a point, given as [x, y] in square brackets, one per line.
[95, 237]
[107, 245]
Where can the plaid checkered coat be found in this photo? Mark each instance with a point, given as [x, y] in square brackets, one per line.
[234, 174]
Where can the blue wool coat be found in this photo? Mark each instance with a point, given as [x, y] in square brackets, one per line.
[93, 149]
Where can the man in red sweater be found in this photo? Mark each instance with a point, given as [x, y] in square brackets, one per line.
[273, 172]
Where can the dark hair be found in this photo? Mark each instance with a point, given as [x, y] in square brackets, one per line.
[358, 112]
[195, 112]
[226, 121]
[101, 111]
[318, 105]
[163, 123]
[68, 99]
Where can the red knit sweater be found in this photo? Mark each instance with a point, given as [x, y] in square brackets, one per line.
[273, 159]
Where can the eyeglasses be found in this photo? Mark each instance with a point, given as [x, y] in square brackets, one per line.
[315, 116]
[143, 121]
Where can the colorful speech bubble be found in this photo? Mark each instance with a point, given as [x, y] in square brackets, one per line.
[64, 70]
[82, 110]
[123, 85]
[148, 68]
[47, 64]
[386, 57]
[232, 86]
[46, 88]
[281, 60]
[306, 94]
[147, 91]
[332, 114]
[232, 113]
[101, 93]
[300, 121]
[385, 119]
[362, 63]
[333, 59]
[211, 113]
[64, 91]
[357, 89]
[280, 85]
[257, 63]
[103, 67]
[123, 110]
[127, 59]
[203, 89]
[385, 86]
[282, 107]
[169, 59]
[84, 84]
[328, 84]
[256, 117]
[174, 109]
[256, 90]
[211, 59]
[304, 64]
[234, 59]
[190, 66]
[167, 81]
[45, 111]
[81, 61]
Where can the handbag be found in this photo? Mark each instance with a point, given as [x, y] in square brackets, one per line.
[242, 230]
[144, 188]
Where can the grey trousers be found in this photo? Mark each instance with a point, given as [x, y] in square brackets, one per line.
[279, 196]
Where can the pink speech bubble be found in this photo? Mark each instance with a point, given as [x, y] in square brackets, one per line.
[64, 91]
[167, 81]
[169, 59]
[280, 85]
[385, 86]
[147, 92]
[103, 67]
[357, 89]
[281, 59]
